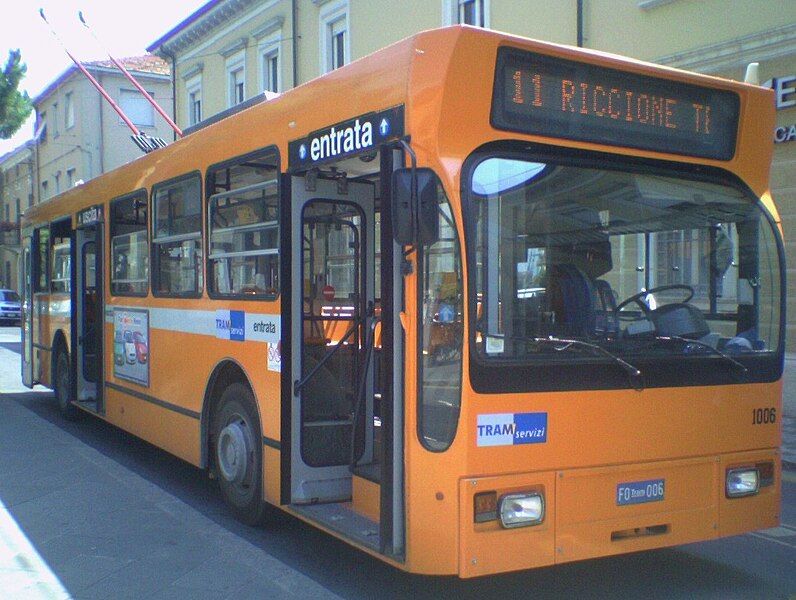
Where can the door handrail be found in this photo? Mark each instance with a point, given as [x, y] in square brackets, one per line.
[370, 342]
[298, 384]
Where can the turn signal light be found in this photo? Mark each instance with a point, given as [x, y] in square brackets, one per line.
[766, 470]
[485, 505]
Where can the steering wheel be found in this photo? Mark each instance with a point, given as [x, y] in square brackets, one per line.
[644, 307]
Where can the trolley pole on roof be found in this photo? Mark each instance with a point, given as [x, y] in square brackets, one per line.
[142, 140]
[132, 79]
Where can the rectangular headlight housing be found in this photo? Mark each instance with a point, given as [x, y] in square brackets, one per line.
[742, 482]
[521, 510]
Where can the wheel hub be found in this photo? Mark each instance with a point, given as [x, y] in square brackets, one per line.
[233, 452]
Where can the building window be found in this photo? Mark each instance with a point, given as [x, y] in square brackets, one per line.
[236, 78]
[194, 89]
[55, 119]
[44, 191]
[41, 130]
[335, 42]
[465, 12]
[269, 69]
[137, 108]
[177, 242]
[57, 178]
[30, 200]
[69, 111]
[70, 178]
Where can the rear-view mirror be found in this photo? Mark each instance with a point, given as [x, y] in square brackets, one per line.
[414, 215]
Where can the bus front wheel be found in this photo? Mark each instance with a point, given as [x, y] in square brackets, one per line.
[239, 453]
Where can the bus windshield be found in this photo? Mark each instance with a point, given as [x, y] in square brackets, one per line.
[645, 266]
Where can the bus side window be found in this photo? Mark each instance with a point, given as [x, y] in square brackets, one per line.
[60, 257]
[41, 260]
[177, 238]
[129, 249]
[442, 331]
[243, 227]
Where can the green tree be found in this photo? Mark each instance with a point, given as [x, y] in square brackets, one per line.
[15, 106]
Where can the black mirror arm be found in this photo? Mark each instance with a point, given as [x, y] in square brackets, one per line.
[413, 204]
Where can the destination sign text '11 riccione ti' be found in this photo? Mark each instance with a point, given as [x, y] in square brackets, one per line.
[543, 95]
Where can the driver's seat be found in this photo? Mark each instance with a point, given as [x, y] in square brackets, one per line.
[571, 299]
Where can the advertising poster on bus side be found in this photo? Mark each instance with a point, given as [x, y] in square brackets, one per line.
[131, 345]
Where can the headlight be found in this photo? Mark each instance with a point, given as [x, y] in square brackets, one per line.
[520, 510]
[742, 482]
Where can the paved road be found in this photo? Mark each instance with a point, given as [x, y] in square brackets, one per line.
[96, 513]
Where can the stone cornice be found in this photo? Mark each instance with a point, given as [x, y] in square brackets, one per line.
[234, 47]
[756, 47]
[220, 15]
[268, 28]
[193, 71]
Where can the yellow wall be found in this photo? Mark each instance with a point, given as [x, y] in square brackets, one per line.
[783, 187]
[622, 27]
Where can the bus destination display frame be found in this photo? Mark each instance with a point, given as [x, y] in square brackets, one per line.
[544, 95]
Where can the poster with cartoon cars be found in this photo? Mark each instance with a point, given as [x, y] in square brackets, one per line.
[131, 345]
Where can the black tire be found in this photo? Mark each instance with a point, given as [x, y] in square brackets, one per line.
[62, 384]
[238, 454]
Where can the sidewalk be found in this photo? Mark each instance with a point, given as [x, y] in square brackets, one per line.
[76, 523]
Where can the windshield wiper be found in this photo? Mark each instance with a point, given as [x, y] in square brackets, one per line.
[563, 344]
[676, 338]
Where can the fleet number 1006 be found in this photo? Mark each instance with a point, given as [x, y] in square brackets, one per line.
[764, 416]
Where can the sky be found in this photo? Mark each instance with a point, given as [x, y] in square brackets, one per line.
[123, 28]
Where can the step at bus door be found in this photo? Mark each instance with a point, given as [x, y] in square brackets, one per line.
[333, 307]
[90, 317]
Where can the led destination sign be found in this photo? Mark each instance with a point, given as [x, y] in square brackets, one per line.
[554, 97]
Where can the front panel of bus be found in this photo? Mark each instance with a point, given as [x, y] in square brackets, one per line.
[600, 328]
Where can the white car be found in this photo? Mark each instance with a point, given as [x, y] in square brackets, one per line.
[129, 348]
[10, 310]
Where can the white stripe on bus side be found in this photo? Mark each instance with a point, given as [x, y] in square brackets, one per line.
[259, 327]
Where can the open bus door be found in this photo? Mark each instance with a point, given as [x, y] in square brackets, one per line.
[333, 258]
[346, 374]
[88, 307]
[26, 287]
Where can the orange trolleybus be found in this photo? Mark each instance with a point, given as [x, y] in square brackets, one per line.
[473, 303]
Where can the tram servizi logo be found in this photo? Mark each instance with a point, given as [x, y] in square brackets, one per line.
[231, 325]
[511, 429]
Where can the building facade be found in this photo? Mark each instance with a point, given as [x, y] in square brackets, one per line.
[17, 192]
[230, 51]
[79, 135]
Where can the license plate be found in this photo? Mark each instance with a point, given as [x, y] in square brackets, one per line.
[638, 492]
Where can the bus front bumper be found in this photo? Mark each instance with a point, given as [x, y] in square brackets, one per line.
[602, 511]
